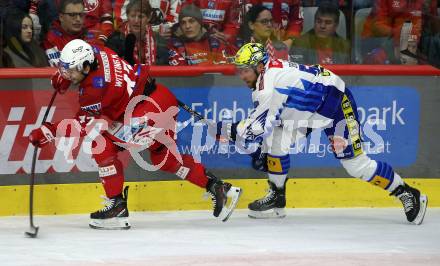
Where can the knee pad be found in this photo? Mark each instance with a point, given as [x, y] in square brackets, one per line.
[360, 167]
[278, 165]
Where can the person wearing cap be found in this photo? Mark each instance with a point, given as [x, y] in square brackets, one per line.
[192, 44]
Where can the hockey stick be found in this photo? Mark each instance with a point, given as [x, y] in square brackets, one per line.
[201, 118]
[194, 113]
[33, 230]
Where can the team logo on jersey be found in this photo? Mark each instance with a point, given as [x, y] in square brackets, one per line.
[211, 4]
[90, 5]
[90, 35]
[98, 82]
[95, 49]
[57, 32]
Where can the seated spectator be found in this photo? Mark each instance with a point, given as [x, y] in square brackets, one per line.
[220, 16]
[98, 17]
[148, 47]
[396, 24]
[69, 26]
[22, 50]
[286, 14]
[259, 28]
[42, 12]
[322, 45]
[192, 44]
[165, 15]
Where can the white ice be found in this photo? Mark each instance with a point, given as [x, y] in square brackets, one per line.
[305, 237]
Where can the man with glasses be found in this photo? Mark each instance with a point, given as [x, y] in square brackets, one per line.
[69, 26]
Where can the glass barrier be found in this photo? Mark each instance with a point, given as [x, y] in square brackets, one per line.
[202, 32]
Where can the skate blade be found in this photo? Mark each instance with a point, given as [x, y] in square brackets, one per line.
[423, 204]
[269, 214]
[234, 194]
[116, 223]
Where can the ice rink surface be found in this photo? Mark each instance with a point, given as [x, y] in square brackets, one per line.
[304, 237]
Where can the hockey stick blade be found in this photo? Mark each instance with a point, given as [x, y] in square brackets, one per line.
[33, 232]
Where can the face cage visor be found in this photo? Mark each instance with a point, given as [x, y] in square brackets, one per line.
[66, 71]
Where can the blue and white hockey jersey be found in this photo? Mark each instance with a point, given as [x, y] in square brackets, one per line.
[291, 94]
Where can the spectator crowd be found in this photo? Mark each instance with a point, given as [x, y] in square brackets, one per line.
[204, 32]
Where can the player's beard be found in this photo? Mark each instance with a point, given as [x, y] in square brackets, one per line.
[253, 84]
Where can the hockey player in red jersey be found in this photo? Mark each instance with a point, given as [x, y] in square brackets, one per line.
[109, 91]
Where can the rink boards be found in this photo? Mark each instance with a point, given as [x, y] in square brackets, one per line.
[404, 108]
[179, 195]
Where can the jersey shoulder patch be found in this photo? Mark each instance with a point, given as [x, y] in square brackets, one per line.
[275, 64]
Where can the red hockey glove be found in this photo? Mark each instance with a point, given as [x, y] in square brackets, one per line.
[59, 83]
[43, 135]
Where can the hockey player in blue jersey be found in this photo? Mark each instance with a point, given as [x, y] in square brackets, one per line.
[289, 97]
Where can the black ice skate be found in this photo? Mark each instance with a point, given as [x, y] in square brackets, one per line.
[220, 192]
[413, 202]
[114, 215]
[270, 206]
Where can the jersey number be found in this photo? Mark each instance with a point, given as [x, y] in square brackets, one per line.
[130, 83]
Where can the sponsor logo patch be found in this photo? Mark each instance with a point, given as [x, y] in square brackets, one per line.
[93, 107]
[107, 171]
[182, 172]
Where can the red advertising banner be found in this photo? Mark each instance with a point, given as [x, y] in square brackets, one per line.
[20, 112]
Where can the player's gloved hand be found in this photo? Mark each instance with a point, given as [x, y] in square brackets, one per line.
[43, 135]
[59, 83]
[259, 160]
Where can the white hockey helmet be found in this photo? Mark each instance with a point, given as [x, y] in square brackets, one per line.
[75, 54]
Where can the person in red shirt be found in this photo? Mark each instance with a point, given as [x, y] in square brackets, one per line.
[193, 44]
[136, 114]
[98, 17]
[146, 47]
[401, 20]
[165, 14]
[69, 26]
